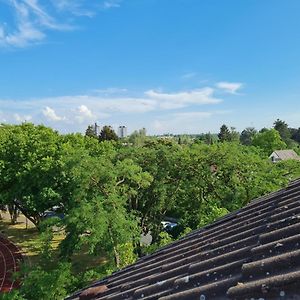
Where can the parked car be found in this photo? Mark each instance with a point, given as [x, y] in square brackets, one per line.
[54, 212]
[168, 225]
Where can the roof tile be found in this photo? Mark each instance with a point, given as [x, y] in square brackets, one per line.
[248, 254]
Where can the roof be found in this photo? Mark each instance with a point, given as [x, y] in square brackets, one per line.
[286, 154]
[252, 253]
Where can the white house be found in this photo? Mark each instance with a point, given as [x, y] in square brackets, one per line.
[279, 155]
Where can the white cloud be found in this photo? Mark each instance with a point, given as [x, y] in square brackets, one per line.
[84, 114]
[186, 122]
[111, 4]
[193, 115]
[51, 115]
[189, 75]
[74, 7]
[84, 111]
[90, 106]
[109, 91]
[182, 99]
[33, 20]
[229, 87]
[21, 118]
[74, 112]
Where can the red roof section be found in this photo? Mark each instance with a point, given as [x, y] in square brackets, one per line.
[10, 258]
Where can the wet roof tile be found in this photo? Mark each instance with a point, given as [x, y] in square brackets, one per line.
[253, 253]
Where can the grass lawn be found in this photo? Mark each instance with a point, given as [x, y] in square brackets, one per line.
[28, 240]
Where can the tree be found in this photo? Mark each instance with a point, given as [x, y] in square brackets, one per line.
[33, 179]
[283, 129]
[295, 134]
[234, 135]
[268, 141]
[107, 134]
[247, 136]
[208, 138]
[224, 134]
[91, 131]
[98, 218]
[138, 137]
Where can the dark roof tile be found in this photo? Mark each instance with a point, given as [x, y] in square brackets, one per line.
[248, 254]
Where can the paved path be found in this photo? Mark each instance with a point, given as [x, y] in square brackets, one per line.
[10, 257]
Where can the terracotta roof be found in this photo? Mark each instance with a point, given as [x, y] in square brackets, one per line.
[252, 253]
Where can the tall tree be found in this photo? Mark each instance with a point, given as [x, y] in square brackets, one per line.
[91, 131]
[247, 136]
[234, 135]
[99, 219]
[224, 134]
[32, 175]
[283, 129]
[138, 137]
[107, 134]
[295, 134]
[228, 135]
[269, 140]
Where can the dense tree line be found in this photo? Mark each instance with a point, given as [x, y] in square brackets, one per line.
[109, 192]
[281, 136]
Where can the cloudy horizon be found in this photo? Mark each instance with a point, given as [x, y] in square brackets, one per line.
[68, 64]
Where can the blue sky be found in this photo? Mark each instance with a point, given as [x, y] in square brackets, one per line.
[180, 66]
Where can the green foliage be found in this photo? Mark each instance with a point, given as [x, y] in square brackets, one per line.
[163, 240]
[208, 138]
[226, 135]
[138, 137]
[268, 141]
[283, 130]
[32, 169]
[247, 135]
[295, 134]
[41, 284]
[110, 192]
[126, 254]
[13, 295]
[107, 134]
[99, 218]
[91, 131]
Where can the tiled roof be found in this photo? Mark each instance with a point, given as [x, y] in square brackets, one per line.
[252, 253]
[286, 154]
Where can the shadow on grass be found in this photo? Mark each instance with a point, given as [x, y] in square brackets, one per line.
[29, 242]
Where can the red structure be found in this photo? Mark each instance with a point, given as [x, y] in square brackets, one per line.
[10, 258]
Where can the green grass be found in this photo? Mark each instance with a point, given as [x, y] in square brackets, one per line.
[28, 240]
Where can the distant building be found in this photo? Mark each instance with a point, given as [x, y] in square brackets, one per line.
[122, 132]
[97, 129]
[280, 155]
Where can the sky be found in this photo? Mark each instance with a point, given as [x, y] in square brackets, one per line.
[171, 66]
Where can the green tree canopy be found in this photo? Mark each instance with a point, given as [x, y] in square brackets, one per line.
[224, 134]
[283, 129]
[268, 141]
[247, 136]
[107, 134]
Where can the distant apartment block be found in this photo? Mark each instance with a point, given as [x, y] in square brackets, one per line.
[122, 132]
[96, 129]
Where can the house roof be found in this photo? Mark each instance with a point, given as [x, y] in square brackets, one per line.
[286, 154]
[253, 253]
